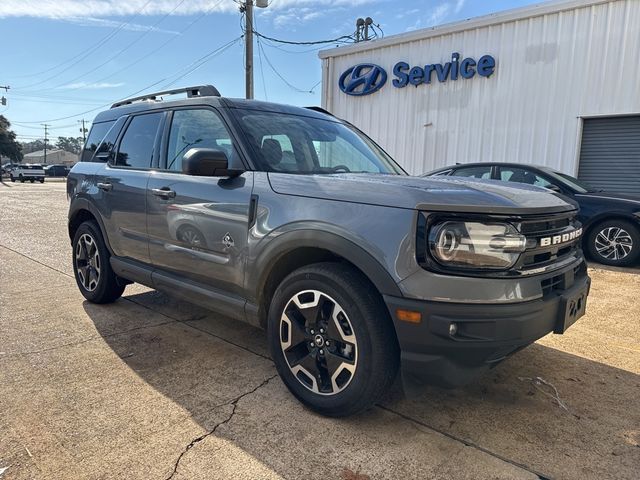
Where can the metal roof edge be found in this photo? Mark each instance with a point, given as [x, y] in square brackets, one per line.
[505, 16]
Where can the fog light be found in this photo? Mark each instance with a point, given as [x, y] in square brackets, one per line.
[453, 329]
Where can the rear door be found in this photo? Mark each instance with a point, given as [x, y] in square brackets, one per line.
[122, 185]
[198, 226]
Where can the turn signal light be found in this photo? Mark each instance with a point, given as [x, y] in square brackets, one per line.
[408, 316]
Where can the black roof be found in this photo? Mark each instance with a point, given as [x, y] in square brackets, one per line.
[482, 164]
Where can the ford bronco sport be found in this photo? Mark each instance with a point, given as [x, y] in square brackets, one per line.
[295, 221]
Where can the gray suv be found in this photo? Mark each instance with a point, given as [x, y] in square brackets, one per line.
[295, 221]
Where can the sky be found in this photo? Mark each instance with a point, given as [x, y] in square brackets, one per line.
[66, 60]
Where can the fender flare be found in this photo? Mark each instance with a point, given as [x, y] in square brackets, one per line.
[336, 244]
[79, 204]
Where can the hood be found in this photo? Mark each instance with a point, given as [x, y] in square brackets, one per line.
[448, 194]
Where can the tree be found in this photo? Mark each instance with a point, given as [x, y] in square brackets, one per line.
[33, 146]
[9, 147]
[70, 144]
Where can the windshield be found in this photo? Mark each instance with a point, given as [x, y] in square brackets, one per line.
[571, 182]
[299, 144]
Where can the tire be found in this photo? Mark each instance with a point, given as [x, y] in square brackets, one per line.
[94, 277]
[614, 242]
[31, 180]
[351, 372]
[12, 178]
[42, 180]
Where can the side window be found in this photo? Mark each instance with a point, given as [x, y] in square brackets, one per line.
[483, 171]
[522, 175]
[277, 150]
[97, 133]
[136, 147]
[198, 128]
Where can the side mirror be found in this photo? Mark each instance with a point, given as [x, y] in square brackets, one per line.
[207, 162]
[554, 188]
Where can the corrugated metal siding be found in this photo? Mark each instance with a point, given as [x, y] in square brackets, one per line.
[551, 69]
[610, 154]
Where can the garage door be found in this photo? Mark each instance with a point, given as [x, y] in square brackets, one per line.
[610, 154]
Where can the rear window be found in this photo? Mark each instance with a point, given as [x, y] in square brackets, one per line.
[96, 135]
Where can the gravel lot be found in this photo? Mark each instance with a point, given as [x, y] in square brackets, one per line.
[154, 388]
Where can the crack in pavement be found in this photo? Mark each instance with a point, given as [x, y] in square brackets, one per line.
[465, 442]
[234, 404]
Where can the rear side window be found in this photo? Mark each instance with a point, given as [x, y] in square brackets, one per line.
[474, 172]
[522, 175]
[136, 147]
[97, 133]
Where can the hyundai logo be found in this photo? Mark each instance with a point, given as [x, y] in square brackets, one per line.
[362, 79]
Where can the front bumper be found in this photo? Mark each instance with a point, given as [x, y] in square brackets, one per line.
[486, 333]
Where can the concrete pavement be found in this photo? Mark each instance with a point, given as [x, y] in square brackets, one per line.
[152, 387]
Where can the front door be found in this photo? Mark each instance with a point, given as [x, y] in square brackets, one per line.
[198, 226]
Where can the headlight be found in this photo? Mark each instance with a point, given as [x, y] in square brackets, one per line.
[475, 245]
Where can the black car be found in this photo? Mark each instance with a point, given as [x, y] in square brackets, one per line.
[611, 222]
[56, 170]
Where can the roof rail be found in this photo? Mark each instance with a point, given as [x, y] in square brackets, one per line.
[197, 91]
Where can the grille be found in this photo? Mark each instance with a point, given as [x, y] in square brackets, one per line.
[561, 282]
[537, 256]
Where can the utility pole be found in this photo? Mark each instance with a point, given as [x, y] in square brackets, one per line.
[46, 132]
[248, 54]
[83, 130]
[247, 9]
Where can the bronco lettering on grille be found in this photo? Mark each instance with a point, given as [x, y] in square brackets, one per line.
[559, 239]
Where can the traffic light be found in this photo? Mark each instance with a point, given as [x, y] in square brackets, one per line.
[3, 101]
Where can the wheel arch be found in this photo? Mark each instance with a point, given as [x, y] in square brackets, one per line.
[81, 211]
[299, 248]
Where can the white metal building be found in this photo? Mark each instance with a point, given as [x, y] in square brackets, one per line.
[563, 91]
[55, 156]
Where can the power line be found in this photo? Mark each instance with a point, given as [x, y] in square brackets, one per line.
[205, 58]
[341, 39]
[87, 52]
[293, 87]
[120, 52]
[161, 46]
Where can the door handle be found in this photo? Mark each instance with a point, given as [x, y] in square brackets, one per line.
[164, 192]
[104, 186]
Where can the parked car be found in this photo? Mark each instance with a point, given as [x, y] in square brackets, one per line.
[7, 167]
[297, 222]
[56, 170]
[611, 221]
[27, 172]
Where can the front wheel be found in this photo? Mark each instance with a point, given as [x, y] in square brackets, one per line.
[332, 340]
[95, 278]
[615, 242]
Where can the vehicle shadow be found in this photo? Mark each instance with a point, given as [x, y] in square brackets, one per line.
[508, 413]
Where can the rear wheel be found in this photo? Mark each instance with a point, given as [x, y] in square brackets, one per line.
[94, 276]
[12, 178]
[332, 340]
[42, 180]
[615, 242]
